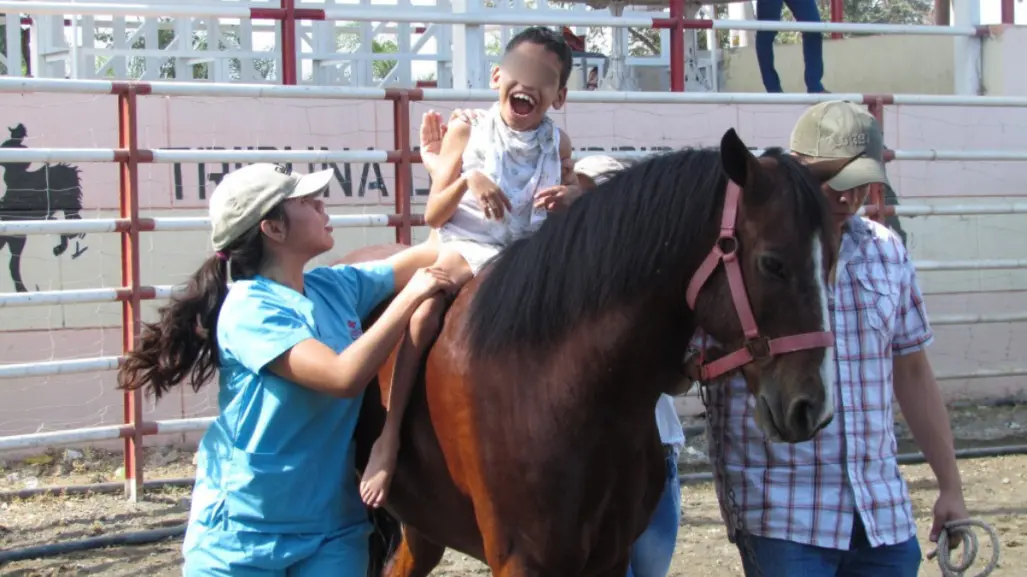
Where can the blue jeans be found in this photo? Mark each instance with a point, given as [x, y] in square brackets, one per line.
[812, 43]
[779, 558]
[653, 550]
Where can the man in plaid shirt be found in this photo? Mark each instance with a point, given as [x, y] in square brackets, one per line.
[837, 505]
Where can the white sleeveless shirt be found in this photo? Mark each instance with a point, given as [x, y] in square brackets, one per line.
[669, 424]
[521, 164]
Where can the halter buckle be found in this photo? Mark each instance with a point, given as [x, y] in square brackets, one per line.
[759, 348]
[727, 245]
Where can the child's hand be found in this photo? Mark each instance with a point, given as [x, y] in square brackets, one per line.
[432, 131]
[490, 197]
[557, 197]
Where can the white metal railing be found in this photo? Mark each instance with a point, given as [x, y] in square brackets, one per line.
[421, 15]
[160, 224]
[222, 35]
[199, 424]
[242, 90]
[107, 363]
[381, 156]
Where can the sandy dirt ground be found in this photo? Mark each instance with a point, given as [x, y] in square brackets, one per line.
[995, 488]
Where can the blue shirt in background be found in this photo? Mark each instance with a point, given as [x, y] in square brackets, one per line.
[279, 457]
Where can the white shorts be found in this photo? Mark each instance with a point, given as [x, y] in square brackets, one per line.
[477, 254]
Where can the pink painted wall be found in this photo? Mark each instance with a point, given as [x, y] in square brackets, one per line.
[86, 330]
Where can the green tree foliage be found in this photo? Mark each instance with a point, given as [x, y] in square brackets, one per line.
[3, 50]
[348, 42]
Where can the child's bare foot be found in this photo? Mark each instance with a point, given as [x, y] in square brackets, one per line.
[374, 486]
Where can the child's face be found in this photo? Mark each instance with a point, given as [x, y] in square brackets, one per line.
[528, 80]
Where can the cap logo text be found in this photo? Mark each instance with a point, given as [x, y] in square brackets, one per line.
[860, 139]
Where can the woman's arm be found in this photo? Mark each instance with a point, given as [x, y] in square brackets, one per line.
[448, 185]
[314, 365]
[406, 262]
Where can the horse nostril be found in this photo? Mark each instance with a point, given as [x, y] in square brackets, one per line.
[802, 416]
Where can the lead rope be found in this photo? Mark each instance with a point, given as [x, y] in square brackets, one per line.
[717, 462]
[962, 529]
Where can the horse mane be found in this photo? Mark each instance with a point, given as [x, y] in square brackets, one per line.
[610, 245]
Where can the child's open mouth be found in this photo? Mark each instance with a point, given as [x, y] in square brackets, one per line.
[522, 104]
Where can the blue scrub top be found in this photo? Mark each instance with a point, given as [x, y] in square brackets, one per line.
[279, 456]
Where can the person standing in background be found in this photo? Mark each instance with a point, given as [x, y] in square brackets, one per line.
[838, 505]
[812, 43]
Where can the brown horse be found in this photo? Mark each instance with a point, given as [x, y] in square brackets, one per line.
[529, 442]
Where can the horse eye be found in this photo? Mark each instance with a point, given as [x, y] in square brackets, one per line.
[772, 266]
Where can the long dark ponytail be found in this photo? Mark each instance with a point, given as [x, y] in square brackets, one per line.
[183, 343]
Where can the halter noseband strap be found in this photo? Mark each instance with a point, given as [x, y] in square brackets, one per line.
[756, 347]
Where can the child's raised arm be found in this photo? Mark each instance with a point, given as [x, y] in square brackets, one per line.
[448, 185]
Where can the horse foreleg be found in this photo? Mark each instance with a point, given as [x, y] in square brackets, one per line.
[415, 557]
[519, 566]
[63, 246]
[17, 246]
[516, 567]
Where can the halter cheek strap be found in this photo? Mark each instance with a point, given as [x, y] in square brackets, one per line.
[755, 347]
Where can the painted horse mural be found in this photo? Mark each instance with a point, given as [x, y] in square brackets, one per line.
[37, 195]
[529, 442]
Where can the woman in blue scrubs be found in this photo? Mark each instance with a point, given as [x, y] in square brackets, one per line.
[275, 491]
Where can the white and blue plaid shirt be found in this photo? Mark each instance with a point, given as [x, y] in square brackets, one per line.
[809, 492]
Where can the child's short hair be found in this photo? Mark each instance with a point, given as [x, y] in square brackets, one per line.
[551, 41]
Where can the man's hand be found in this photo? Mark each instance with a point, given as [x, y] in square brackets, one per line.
[949, 507]
[490, 197]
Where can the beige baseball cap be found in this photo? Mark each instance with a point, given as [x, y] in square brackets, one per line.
[838, 129]
[598, 167]
[245, 196]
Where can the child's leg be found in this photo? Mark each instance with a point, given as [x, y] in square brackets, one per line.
[424, 327]
[406, 262]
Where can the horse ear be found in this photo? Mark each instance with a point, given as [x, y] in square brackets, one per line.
[825, 170]
[740, 164]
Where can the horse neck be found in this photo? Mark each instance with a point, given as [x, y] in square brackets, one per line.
[654, 331]
[631, 354]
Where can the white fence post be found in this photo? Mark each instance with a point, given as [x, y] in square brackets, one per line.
[967, 50]
[469, 70]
